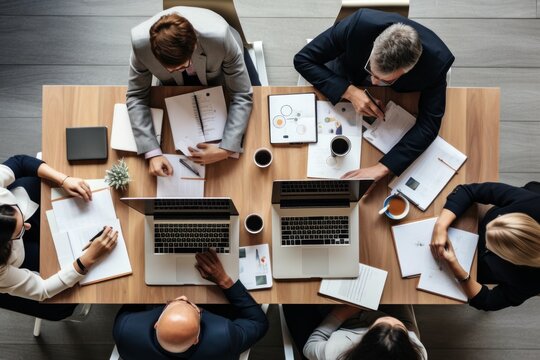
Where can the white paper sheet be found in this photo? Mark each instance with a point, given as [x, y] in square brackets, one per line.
[366, 290]
[122, 135]
[95, 184]
[292, 118]
[384, 135]
[424, 179]
[255, 269]
[73, 213]
[183, 182]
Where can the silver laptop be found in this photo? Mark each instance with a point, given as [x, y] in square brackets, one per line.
[315, 228]
[175, 229]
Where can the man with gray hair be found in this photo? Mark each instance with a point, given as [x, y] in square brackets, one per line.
[374, 48]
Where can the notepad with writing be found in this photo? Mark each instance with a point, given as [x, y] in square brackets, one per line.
[365, 291]
[183, 182]
[197, 117]
[385, 134]
[122, 135]
[425, 178]
[412, 242]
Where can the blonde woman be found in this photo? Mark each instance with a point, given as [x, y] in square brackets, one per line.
[508, 245]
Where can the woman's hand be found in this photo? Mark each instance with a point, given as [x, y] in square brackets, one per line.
[448, 253]
[77, 187]
[102, 245]
[439, 240]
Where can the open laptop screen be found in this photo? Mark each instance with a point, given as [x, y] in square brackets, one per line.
[332, 190]
[180, 206]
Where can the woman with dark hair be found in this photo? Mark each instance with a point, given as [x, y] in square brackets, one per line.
[21, 287]
[349, 333]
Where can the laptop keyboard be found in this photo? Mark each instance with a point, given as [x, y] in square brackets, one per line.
[191, 238]
[322, 186]
[192, 204]
[315, 230]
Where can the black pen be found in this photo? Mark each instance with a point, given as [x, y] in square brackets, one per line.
[94, 238]
[373, 101]
[198, 112]
[189, 167]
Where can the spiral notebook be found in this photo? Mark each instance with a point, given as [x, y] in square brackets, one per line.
[197, 117]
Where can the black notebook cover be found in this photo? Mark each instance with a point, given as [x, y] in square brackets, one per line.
[86, 143]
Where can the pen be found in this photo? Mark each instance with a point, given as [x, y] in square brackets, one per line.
[447, 164]
[373, 101]
[94, 238]
[189, 167]
[198, 112]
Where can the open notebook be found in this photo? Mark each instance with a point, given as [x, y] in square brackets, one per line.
[73, 222]
[414, 255]
[425, 178]
[197, 117]
[365, 291]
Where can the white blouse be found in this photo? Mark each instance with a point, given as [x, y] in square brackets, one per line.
[23, 282]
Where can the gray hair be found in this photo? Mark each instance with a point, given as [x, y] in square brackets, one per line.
[397, 47]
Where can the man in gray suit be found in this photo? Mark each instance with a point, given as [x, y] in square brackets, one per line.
[187, 46]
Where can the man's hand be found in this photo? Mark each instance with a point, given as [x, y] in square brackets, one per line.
[211, 269]
[375, 172]
[208, 153]
[362, 103]
[160, 166]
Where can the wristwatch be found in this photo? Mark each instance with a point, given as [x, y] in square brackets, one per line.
[465, 279]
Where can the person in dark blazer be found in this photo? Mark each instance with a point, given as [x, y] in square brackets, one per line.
[374, 48]
[182, 330]
[508, 244]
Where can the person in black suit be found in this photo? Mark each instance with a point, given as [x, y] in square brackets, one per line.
[508, 244]
[383, 49]
[183, 330]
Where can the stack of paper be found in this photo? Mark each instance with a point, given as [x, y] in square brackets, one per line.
[122, 135]
[255, 270]
[412, 242]
[183, 182]
[365, 291]
[425, 178]
[73, 222]
[340, 119]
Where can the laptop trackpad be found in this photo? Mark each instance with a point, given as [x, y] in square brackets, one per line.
[315, 262]
[185, 270]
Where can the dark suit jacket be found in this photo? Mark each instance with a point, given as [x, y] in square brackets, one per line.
[220, 338]
[515, 283]
[349, 43]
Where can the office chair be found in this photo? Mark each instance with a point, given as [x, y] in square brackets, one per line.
[79, 315]
[227, 10]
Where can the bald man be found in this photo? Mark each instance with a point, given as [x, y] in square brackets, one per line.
[181, 329]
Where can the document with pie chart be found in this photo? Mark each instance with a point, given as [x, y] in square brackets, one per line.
[293, 118]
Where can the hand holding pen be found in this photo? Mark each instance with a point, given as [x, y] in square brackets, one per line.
[101, 244]
[380, 112]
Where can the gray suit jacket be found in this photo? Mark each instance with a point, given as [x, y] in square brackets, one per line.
[218, 60]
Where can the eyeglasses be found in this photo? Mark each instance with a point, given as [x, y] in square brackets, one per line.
[21, 233]
[180, 68]
[367, 67]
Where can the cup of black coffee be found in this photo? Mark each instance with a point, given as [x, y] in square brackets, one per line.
[254, 223]
[262, 157]
[340, 145]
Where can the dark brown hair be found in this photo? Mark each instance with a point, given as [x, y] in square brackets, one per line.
[384, 342]
[7, 226]
[172, 39]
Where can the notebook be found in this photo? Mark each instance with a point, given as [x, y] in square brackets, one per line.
[183, 182]
[197, 117]
[365, 291]
[412, 241]
[425, 178]
[122, 135]
[255, 269]
[293, 118]
[385, 134]
[86, 143]
[340, 119]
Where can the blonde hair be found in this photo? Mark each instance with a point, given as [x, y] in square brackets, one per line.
[516, 238]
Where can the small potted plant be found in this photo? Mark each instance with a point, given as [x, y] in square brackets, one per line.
[118, 176]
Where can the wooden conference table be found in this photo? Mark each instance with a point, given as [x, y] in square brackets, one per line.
[471, 124]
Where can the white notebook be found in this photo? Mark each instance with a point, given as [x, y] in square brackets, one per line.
[414, 255]
[340, 119]
[292, 118]
[365, 291]
[122, 135]
[183, 182]
[197, 117]
[385, 134]
[425, 178]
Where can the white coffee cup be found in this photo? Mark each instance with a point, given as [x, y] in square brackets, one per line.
[396, 197]
[254, 223]
[340, 145]
[262, 157]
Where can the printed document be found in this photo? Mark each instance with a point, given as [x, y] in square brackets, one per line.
[183, 182]
[292, 118]
[255, 270]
